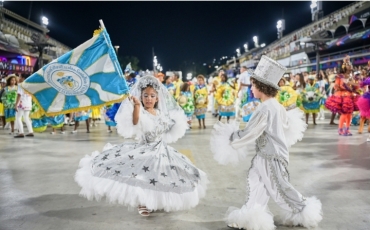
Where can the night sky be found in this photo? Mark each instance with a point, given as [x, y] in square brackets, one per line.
[178, 31]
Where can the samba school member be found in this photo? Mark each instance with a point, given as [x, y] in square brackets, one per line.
[2, 111]
[39, 121]
[201, 100]
[94, 116]
[148, 174]
[56, 122]
[169, 85]
[311, 98]
[273, 130]
[287, 96]
[248, 102]
[186, 102]
[342, 101]
[363, 104]
[216, 83]
[82, 116]
[225, 99]
[8, 99]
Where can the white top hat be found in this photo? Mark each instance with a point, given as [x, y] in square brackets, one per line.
[269, 72]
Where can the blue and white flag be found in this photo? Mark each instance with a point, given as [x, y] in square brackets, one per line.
[87, 77]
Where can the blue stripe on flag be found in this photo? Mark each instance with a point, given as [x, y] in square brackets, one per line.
[65, 57]
[93, 53]
[46, 97]
[94, 97]
[108, 82]
[36, 78]
[71, 102]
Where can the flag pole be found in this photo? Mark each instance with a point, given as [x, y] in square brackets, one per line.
[101, 24]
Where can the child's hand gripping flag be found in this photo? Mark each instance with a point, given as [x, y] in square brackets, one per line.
[88, 76]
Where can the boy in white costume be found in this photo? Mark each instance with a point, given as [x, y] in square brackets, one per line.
[273, 130]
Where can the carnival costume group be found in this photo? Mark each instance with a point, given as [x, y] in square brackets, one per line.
[150, 175]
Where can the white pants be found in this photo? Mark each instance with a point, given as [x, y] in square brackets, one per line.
[26, 117]
[270, 178]
[321, 113]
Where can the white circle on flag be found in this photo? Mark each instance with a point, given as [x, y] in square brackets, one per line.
[67, 79]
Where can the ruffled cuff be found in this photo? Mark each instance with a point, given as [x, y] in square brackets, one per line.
[296, 126]
[179, 127]
[220, 144]
[124, 118]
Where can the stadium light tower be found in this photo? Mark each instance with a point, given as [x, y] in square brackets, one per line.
[280, 28]
[238, 52]
[246, 47]
[316, 10]
[116, 47]
[45, 21]
[255, 40]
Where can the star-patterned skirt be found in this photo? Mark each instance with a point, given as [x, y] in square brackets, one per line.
[152, 174]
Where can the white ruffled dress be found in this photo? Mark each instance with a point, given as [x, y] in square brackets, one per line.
[148, 172]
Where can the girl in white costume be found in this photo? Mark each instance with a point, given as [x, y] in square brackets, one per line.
[148, 174]
[273, 130]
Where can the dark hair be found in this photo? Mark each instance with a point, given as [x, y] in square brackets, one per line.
[225, 76]
[132, 75]
[176, 75]
[263, 88]
[184, 87]
[10, 79]
[142, 90]
[201, 76]
[302, 82]
[24, 75]
[165, 79]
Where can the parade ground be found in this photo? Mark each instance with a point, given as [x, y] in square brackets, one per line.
[38, 191]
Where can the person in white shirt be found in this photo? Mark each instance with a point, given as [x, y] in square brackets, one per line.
[23, 107]
[244, 82]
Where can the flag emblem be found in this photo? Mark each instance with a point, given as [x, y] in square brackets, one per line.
[67, 79]
[87, 77]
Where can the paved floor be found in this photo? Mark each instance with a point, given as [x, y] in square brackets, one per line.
[37, 190]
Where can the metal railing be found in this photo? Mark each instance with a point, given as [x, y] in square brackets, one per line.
[287, 37]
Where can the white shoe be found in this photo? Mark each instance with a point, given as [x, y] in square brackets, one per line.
[74, 131]
[52, 133]
[62, 132]
[368, 139]
[95, 125]
[109, 131]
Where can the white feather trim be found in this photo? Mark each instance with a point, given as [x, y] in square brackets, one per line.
[115, 192]
[257, 218]
[178, 130]
[221, 148]
[108, 146]
[124, 119]
[294, 131]
[310, 217]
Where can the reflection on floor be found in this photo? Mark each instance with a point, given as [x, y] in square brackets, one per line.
[38, 190]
